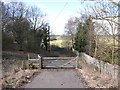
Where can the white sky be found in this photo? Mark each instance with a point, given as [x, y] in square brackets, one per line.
[58, 11]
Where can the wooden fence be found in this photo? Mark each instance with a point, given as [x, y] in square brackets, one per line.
[36, 61]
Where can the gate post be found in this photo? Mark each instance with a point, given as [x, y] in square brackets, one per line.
[39, 57]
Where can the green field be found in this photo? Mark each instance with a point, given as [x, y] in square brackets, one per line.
[58, 41]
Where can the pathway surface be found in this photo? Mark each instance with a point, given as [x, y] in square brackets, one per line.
[62, 78]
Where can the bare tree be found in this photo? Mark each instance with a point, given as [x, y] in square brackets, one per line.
[36, 17]
[70, 30]
[108, 17]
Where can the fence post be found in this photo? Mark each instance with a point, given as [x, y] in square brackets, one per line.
[28, 62]
[22, 64]
[77, 62]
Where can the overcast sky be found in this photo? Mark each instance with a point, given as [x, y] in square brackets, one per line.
[58, 11]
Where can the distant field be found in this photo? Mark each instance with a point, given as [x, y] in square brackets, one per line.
[57, 43]
[108, 40]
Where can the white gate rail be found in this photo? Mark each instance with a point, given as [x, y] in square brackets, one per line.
[37, 60]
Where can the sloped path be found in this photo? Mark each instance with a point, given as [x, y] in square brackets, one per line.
[56, 78]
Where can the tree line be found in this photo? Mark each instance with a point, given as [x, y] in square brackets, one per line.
[80, 33]
[95, 32]
[24, 27]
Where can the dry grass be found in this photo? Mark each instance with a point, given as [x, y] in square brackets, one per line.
[108, 40]
[94, 78]
[17, 79]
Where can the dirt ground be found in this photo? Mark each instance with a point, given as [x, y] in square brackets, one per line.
[56, 78]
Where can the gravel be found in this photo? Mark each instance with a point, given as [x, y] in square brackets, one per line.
[56, 78]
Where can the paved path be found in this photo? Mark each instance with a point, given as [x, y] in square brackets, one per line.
[56, 79]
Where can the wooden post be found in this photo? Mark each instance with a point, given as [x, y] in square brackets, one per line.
[22, 64]
[28, 61]
[28, 56]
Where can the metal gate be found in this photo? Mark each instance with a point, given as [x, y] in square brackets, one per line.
[59, 62]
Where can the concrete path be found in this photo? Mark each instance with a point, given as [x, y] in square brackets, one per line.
[56, 79]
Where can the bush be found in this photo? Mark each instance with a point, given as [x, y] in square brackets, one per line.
[7, 42]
